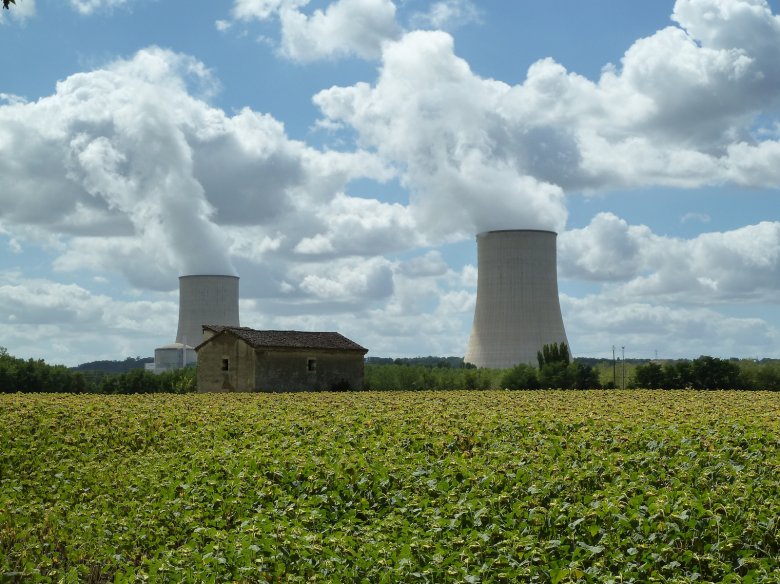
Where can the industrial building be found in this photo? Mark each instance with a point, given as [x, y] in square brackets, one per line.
[172, 356]
[244, 359]
[518, 310]
[203, 299]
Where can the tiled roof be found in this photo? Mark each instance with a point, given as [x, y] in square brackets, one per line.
[288, 339]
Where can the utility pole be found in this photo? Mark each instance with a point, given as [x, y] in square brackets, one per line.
[624, 366]
[614, 368]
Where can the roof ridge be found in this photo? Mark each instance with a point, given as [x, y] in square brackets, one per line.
[289, 339]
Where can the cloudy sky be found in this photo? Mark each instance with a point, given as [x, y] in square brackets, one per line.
[341, 155]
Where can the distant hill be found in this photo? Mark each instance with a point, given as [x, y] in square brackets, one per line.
[457, 362]
[114, 366]
[594, 361]
[430, 361]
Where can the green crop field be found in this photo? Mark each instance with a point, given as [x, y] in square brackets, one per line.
[496, 486]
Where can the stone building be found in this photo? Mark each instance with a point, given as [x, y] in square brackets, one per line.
[243, 359]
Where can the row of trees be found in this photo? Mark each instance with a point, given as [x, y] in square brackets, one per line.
[34, 375]
[418, 377]
[707, 373]
[555, 370]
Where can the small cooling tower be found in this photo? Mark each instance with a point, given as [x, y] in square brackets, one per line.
[205, 300]
[517, 310]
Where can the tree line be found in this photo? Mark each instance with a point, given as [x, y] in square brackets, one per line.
[707, 372]
[555, 370]
[35, 375]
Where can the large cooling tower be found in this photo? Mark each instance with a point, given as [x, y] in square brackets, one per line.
[205, 300]
[518, 310]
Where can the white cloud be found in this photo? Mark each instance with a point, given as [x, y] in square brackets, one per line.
[479, 154]
[468, 276]
[740, 265]
[700, 217]
[246, 242]
[357, 226]
[598, 322]
[344, 28]
[127, 170]
[755, 165]
[447, 15]
[680, 110]
[87, 7]
[45, 302]
[346, 280]
[728, 24]
[436, 120]
[462, 302]
[262, 9]
[316, 245]
[11, 99]
[430, 264]
[66, 322]
[609, 249]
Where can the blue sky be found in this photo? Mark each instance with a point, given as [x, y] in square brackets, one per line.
[341, 155]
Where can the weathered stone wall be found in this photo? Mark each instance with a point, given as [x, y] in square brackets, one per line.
[240, 373]
[290, 371]
[275, 370]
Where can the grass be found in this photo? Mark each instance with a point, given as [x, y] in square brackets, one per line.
[496, 486]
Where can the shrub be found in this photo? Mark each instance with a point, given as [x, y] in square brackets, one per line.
[521, 376]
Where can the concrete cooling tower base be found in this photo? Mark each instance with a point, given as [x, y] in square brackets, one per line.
[518, 310]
